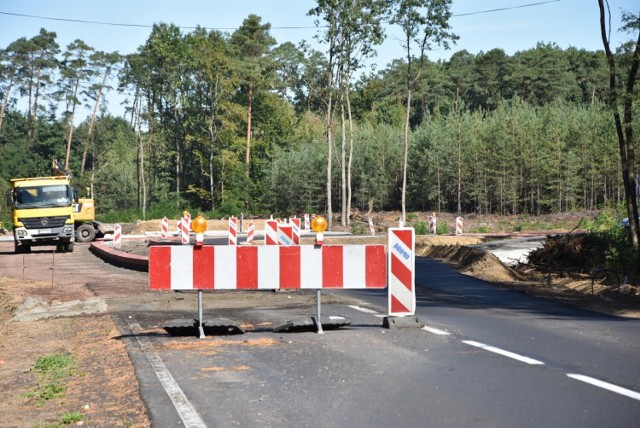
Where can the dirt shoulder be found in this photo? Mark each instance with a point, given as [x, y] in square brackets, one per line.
[584, 291]
[100, 388]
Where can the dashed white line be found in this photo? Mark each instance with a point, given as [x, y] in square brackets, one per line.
[435, 331]
[183, 406]
[502, 352]
[605, 385]
[361, 309]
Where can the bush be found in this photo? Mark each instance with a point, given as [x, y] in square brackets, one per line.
[422, 228]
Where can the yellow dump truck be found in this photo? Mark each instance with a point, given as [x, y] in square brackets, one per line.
[84, 211]
[42, 213]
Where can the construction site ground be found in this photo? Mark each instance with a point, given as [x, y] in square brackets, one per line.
[103, 390]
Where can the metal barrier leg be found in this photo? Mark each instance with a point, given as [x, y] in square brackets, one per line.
[200, 329]
[318, 306]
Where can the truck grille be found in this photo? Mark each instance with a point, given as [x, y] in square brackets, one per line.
[44, 222]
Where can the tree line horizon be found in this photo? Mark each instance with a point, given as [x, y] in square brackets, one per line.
[228, 123]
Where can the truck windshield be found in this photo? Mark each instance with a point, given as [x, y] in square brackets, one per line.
[42, 196]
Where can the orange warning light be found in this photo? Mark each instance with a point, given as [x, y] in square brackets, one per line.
[199, 224]
[319, 224]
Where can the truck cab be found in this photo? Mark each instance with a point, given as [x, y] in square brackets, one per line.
[42, 212]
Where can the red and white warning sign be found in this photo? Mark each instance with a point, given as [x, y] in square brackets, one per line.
[295, 225]
[401, 268]
[233, 231]
[285, 235]
[117, 236]
[271, 232]
[164, 231]
[222, 267]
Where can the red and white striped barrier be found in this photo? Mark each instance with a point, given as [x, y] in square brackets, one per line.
[211, 267]
[372, 229]
[184, 230]
[250, 233]
[295, 226]
[307, 223]
[233, 231]
[117, 236]
[271, 232]
[459, 222]
[164, 228]
[285, 235]
[432, 225]
[401, 262]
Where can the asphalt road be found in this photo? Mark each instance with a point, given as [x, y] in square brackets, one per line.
[489, 357]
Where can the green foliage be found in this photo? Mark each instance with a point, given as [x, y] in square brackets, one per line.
[442, 228]
[421, 228]
[605, 221]
[490, 133]
[358, 228]
[71, 418]
[50, 371]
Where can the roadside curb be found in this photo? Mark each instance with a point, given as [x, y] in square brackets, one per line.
[120, 258]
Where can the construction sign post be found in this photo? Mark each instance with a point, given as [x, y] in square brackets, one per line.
[401, 263]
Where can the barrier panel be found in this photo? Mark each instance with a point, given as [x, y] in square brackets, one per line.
[233, 231]
[285, 235]
[175, 267]
[184, 230]
[164, 229]
[273, 267]
[250, 233]
[307, 223]
[432, 225]
[117, 236]
[295, 226]
[402, 294]
[459, 223]
[271, 232]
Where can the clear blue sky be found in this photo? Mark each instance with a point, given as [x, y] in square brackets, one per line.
[564, 22]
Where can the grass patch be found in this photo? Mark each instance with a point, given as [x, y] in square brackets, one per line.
[50, 371]
[71, 418]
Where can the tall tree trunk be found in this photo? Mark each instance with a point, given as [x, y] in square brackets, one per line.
[5, 101]
[343, 164]
[178, 150]
[624, 130]
[459, 154]
[141, 171]
[350, 159]
[71, 120]
[92, 122]
[406, 156]
[329, 156]
[34, 113]
[248, 156]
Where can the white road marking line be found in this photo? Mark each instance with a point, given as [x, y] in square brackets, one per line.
[502, 352]
[183, 406]
[435, 331]
[608, 386]
[361, 309]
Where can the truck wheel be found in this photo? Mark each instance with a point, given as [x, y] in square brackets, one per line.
[85, 233]
[22, 249]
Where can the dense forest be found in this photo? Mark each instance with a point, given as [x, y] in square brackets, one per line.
[234, 122]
